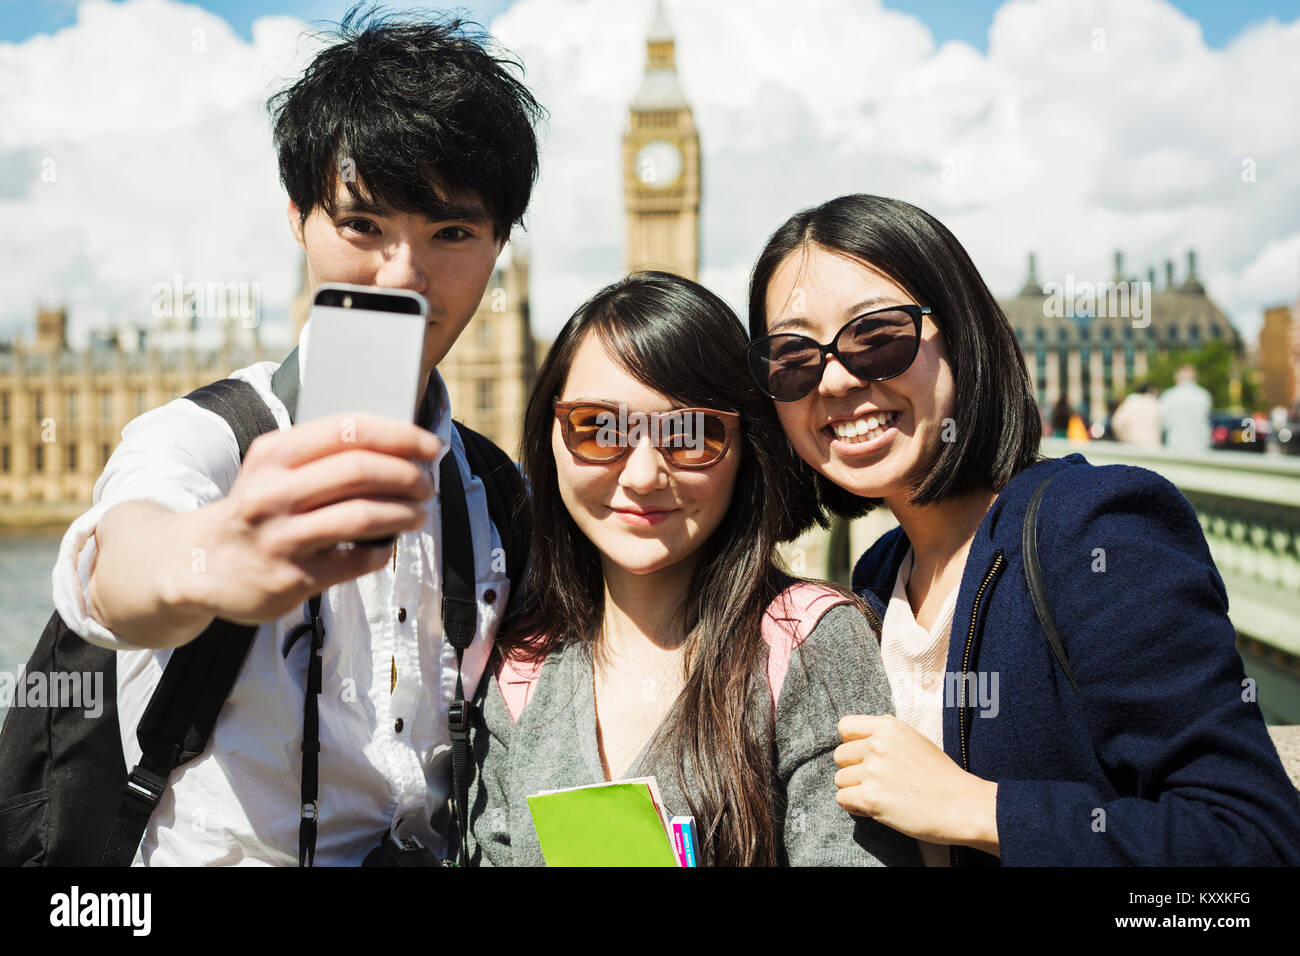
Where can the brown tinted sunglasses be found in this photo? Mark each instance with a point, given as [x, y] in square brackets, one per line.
[602, 432]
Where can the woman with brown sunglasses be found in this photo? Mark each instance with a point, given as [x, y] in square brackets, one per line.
[661, 637]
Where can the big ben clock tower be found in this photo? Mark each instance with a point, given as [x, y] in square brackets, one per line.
[661, 165]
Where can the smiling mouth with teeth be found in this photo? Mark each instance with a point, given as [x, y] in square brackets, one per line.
[861, 429]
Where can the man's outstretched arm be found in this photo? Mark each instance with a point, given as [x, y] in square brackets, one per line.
[130, 591]
[159, 575]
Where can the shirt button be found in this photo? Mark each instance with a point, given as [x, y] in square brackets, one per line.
[489, 596]
[401, 614]
[399, 725]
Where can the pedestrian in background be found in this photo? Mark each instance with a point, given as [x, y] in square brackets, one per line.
[1185, 414]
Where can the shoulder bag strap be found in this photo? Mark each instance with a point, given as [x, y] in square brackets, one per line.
[1034, 577]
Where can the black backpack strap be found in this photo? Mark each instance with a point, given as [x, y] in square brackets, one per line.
[284, 382]
[506, 505]
[176, 726]
[459, 624]
[239, 404]
[1034, 577]
[179, 718]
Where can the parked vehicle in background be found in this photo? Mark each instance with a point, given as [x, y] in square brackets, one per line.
[1239, 432]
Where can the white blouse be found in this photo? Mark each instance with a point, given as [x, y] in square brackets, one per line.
[914, 659]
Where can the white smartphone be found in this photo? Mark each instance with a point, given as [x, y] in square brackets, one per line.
[363, 354]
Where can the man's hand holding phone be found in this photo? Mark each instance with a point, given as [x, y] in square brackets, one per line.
[345, 474]
[299, 494]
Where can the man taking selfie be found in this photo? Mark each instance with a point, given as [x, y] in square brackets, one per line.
[408, 153]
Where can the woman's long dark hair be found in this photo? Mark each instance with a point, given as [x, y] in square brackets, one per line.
[681, 340]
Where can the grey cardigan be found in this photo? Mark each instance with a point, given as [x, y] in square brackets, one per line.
[836, 671]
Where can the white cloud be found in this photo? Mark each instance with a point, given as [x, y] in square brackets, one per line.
[135, 145]
[1062, 139]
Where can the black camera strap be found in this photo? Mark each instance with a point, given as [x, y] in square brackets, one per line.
[459, 625]
[310, 731]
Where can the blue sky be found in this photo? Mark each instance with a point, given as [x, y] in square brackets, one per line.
[967, 20]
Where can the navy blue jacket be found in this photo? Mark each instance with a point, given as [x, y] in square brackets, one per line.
[1161, 757]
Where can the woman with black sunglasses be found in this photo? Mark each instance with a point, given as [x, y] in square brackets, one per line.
[1084, 706]
[661, 637]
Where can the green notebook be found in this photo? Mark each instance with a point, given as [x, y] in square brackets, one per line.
[619, 823]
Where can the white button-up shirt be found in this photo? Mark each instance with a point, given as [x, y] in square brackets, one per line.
[385, 758]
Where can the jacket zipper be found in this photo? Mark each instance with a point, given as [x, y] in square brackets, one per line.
[876, 622]
[994, 569]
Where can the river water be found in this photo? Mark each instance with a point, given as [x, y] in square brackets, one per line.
[26, 561]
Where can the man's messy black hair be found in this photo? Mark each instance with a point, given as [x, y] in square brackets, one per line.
[421, 111]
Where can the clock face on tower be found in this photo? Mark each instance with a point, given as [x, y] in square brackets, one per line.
[658, 164]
